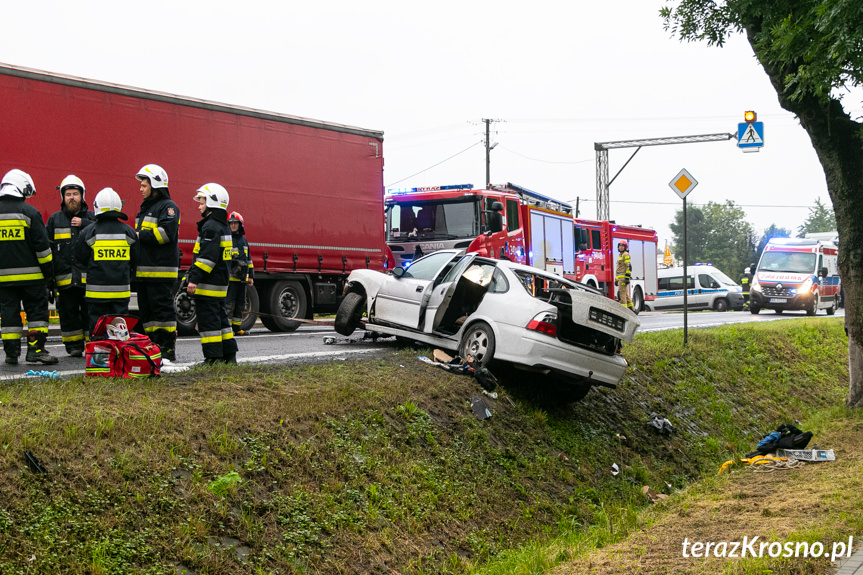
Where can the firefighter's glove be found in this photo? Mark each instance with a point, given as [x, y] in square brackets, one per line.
[49, 285]
[626, 282]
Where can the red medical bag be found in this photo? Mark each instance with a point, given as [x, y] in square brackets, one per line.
[136, 356]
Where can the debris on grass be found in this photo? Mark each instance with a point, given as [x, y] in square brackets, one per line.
[480, 408]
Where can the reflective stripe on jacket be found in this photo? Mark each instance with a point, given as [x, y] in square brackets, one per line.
[157, 224]
[26, 251]
[210, 270]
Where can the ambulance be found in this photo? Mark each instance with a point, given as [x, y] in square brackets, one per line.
[797, 274]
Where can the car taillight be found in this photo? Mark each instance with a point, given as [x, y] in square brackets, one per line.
[545, 322]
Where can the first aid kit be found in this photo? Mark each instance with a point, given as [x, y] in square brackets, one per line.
[115, 351]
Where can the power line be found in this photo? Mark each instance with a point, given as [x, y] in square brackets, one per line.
[692, 204]
[545, 161]
[435, 165]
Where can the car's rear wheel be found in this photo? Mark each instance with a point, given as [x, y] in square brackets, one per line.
[832, 309]
[350, 313]
[478, 342]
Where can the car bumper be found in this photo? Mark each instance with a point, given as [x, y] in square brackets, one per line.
[542, 352]
[736, 301]
[799, 301]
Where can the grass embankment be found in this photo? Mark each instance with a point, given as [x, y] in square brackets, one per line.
[381, 466]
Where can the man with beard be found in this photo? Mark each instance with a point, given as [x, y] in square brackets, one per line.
[63, 229]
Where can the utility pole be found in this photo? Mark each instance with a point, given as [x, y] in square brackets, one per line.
[487, 153]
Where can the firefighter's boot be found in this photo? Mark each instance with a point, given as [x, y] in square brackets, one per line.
[12, 347]
[231, 358]
[36, 352]
[75, 349]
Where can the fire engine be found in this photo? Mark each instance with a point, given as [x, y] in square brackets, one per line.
[508, 221]
[521, 225]
[596, 258]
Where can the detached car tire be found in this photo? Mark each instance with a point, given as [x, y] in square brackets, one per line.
[350, 313]
[478, 342]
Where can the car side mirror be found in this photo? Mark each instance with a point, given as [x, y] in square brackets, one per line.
[398, 271]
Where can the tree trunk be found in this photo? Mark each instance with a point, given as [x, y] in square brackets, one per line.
[838, 141]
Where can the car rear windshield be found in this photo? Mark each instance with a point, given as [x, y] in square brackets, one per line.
[542, 286]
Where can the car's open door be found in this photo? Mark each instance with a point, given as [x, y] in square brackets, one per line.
[440, 296]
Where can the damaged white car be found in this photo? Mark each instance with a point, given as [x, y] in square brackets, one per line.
[495, 309]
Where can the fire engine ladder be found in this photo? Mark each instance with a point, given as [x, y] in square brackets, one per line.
[602, 182]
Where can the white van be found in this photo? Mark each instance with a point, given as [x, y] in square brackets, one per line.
[708, 288]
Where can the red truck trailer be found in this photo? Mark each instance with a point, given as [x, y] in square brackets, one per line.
[596, 258]
[311, 192]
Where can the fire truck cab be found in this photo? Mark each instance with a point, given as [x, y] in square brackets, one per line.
[501, 222]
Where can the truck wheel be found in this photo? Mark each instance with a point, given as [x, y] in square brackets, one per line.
[832, 309]
[350, 313]
[720, 305]
[250, 309]
[813, 309]
[187, 316]
[637, 301]
[478, 342]
[284, 301]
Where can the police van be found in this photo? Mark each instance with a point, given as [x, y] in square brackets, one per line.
[797, 274]
[707, 288]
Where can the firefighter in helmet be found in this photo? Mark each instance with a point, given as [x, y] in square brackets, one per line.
[108, 250]
[746, 283]
[242, 272]
[157, 224]
[64, 226]
[623, 273]
[209, 275]
[26, 271]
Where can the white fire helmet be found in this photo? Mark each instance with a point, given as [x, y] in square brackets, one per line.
[117, 329]
[107, 200]
[157, 176]
[215, 195]
[17, 184]
[72, 181]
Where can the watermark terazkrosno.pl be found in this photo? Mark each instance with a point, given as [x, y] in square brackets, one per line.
[755, 547]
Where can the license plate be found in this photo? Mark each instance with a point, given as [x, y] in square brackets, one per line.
[778, 300]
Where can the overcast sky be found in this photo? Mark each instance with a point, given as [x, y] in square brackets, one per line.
[556, 77]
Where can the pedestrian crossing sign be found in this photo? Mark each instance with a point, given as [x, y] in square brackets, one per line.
[750, 135]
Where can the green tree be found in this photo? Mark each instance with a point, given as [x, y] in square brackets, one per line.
[718, 234]
[821, 219]
[773, 231]
[811, 52]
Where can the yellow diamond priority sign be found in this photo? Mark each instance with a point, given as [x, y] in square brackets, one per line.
[683, 183]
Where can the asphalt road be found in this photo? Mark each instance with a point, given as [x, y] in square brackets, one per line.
[308, 342]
